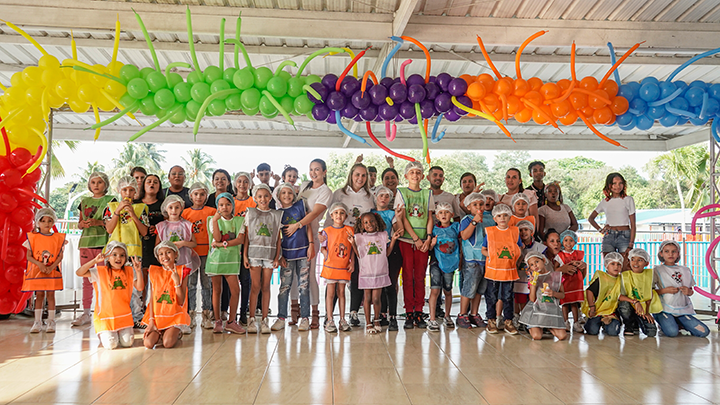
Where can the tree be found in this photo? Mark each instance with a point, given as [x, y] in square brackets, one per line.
[687, 168]
[90, 169]
[57, 170]
[59, 198]
[503, 161]
[146, 155]
[198, 167]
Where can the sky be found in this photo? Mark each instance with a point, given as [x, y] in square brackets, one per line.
[237, 158]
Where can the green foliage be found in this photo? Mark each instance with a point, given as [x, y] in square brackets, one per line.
[146, 155]
[59, 198]
[198, 167]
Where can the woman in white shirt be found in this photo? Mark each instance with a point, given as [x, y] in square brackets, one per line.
[619, 208]
[554, 214]
[513, 181]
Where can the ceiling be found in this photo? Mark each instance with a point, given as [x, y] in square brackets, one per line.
[278, 30]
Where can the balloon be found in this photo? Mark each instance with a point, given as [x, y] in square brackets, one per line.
[156, 81]
[129, 72]
[694, 96]
[464, 100]
[643, 122]
[234, 102]
[407, 109]
[295, 86]
[427, 109]
[19, 157]
[179, 116]
[266, 106]
[192, 108]
[164, 99]
[349, 111]
[398, 92]
[182, 92]
[457, 87]
[216, 107]
[302, 105]
[443, 80]
[250, 98]
[212, 74]
[639, 106]
[655, 113]
[137, 88]
[336, 101]
[320, 112]
[597, 100]
[244, 79]
[358, 101]
[277, 86]
[218, 86]
[329, 81]
[569, 119]
[619, 105]
[416, 93]
[431, 90]
[451, 115]
[11, 178]
[603, 115]
[262, 77]
[194, 77]
[148, 106]
[388, 112]
[443, 102]
[626, 91]
[378, 94]
[560, 109]
[173, 79]
[668, 120]
[7, 304]
[15, 254]
[14, 274]
[199, 92]
[22, 215]
[550, 91]
[649, 91]
[349, 86]
[369, 113]
[145, 72]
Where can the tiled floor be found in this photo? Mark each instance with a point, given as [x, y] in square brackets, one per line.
[418, 367]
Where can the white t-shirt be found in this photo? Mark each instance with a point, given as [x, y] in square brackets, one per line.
[617, 210]
[558, 220]
[507, 198]
[312, 196]
[674, 276]
[358, 203]
[450, 199]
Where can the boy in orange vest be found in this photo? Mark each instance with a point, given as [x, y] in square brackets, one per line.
[502, 247]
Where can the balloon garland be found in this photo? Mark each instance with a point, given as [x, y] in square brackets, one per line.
[701, 213]
[26, 103]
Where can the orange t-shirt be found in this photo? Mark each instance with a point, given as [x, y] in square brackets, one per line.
[337, 262]
[503, 253]
[242, 206]
[515, 219]
[198, 219]
[45, 249]
[113, 290]
[165, 308]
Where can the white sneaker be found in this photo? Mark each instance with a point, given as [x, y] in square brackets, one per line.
[264, 326]
[330, 326]
[516, 321]
[50, 328]
[36, 327]
[567, 326]
[81, 320]
[186, 330]
[278, 325]
[206, 322]
[304, 325]
[344, 326]
[193, 322]
[577, 327]
[251, 326]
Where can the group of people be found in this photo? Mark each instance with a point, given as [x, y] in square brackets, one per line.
[145, 255]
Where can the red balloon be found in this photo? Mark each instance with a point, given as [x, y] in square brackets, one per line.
[4, 163]
[32, 178]
[7, 202]
[19, 157]
[14, 274]
[14, 232]
[15, 254]
[22, 215]
[7, 305]
[11, 177]
[5, 285]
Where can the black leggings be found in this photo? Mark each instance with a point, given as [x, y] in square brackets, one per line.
[245, 284]
[389, 293]
[356, 294]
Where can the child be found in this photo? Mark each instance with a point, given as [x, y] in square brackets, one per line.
[502, 248]
[472, 232]
[225, 231]
[127, 222]
[601, 298]
[552, 241]
[198, 215]
[544, 310]
[572, 279]
[521, 287]
[243, 200]
[673, 284]
[520, 203]
[383, 202]
[447, 259]
[167, 311]
[553, 213]
[290, 175]
[336, 242]
[262, 251]
[94, 236]
[619, 208]
[295, 257]
[638, 301]
[113, 317]
[417, 205]
[43, 275]
[371, 246]
[491, 198]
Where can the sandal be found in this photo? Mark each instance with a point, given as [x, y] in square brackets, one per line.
[377, 325]
[315, 320]
[371, 330]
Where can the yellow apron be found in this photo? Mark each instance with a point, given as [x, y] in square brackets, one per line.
[639, 286]
[126, 231]
[607, 300]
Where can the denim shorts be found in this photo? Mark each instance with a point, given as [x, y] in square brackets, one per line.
[440, 279]
[265, 264]
[473, 279]
[616, 241]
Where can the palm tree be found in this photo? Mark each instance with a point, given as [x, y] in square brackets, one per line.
[198, 167]
[90, 169]
[146, 155]
[56, 169]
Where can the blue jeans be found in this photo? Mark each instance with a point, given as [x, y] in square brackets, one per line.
[439, 279]
[297, 268]
[669, 324]
[474, 281]
[593, 325]
[137, 306]
[616, 241]
[632, 321]
[205, 287]
[502, 290]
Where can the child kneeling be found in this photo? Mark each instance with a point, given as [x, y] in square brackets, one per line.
[544, 309]
[601, 298]
[638, 301]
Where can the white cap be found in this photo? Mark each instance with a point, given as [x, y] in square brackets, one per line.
[338, 206]
[165, 244]
[111, 246]
[171, 199]
[443, 206]
[414, 165]
[665, 243]
[127, 181]
[490, 193]
[276, 193]
[472, 197]
[45, 212]
[199, 186]
[526, 225]
[638, 252]
[383, 190]
[501, 209]
[519, 196]
[613, 257]
[244, 174]
[261, 186]
[102, 176]
[533, 253]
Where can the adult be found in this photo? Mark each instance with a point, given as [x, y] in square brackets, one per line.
[221, 183]
[390, 180]
[151, 196]
[513, 181]
[555, 214]
[176, 177]
[619, 208]
[318, 198]
[537, 172]
[468, 184]
[138, 173]
[356, 195]
[436, 177]
[372, 171]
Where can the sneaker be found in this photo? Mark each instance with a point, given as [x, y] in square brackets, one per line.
[206, 322]
[433, 326]
[233, 327]
[279, 324]
[139, 325]
[354, 319]
[450, 324]
[439, 313]
[193, 322]
[345, 326]
[50, 327]
[218, 327]
[251, 326]
[510, 328]
[224, 315]
[419, 321]
[384, 320]
[516, 321]
[567, 326]
[491, 326]
[36, 327]
[392, 324]
[629, 332]
[463, 321]
[265, 326]
[185, 329]
[330, 326]
[577, 327]
[304, 325]
[477, 320]
[81, 320]
[409, 321]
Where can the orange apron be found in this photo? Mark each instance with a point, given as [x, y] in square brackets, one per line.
[166, 310]
[45, 249]
[113, 291]
[515, 219]
[198, 219]
[242, 206]
[503, 253]
[337, 261]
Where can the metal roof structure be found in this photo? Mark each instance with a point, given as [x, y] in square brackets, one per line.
[278, 30]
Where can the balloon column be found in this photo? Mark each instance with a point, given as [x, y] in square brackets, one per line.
[701, 213]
